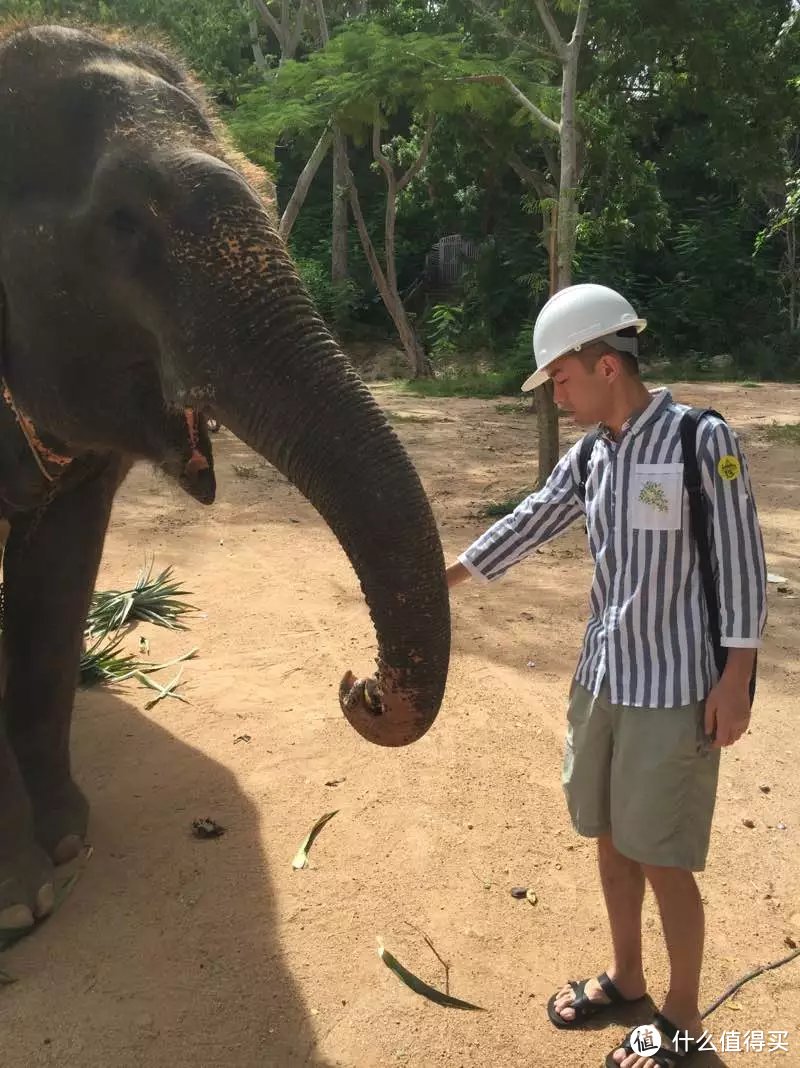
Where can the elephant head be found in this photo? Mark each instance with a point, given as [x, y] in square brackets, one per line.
[143, 279]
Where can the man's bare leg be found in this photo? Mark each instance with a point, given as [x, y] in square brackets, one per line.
[683, 923]
[623, 889]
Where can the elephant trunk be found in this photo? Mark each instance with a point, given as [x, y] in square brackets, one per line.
[250, 346]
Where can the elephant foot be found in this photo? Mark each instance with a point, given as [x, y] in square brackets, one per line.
[60, 822]
[27, 892]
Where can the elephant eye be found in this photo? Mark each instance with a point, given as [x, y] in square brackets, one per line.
[130, 235]
[123, 221]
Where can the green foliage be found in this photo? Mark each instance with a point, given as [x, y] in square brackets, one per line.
[688, 115]
[444, 325]
[783, 215]
[336, 303]
[466, 384]
[513, 409]
[783, 434]
[104, 660]
[150, 600]
[497, 509]
[365, 73]
[212, 35]
[773, 357]
[511, 365]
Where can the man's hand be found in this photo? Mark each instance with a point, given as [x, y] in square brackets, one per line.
[456, 574]
[728, 704]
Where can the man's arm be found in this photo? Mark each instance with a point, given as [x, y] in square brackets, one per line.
[727, 714]
[456, 574]
[738, 548]
[536, 520]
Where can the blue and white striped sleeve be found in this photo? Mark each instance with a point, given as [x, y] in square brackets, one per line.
[534, 521]
[737, 544]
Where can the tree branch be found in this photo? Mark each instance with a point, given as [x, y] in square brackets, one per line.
[544, 189]
[377, 152]
[304, 183]
[363, 233]
[519, 96]
[580, 25]
[389, 228]
[294, 36]
[391, 203]
[390, 296]
[323, 22]
[258, 55]
[419, 162]
[261, 8]
[551, 158]
[531, 175]
[503, 32]
[557, 41]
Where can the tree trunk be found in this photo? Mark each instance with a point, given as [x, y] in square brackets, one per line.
[339, 268]
[287, 32]
[568, 182]
[258, 55]
[547, 423]
[562, 254]
[392, 300]
[791, 261]
[339, 257]
[386, 280]
[566, 226]
[546, 411]
[411, 343]
[303, 185]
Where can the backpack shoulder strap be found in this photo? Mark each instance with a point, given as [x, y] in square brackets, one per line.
[584, 455]
[698, 517]
[690, 423]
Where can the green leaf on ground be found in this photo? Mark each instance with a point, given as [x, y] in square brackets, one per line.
[422, 988]
[301, 857]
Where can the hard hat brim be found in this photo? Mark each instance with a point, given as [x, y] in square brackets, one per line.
[538, 378]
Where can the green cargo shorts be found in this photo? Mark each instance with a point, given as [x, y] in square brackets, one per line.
[646, 776]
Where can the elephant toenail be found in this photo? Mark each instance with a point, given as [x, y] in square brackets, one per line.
[45, 900]
[15, 917]
[68, 848]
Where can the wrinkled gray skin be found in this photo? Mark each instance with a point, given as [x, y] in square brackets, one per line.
[141, 276]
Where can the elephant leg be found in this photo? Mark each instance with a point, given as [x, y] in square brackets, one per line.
[26, 871]
[50, 567]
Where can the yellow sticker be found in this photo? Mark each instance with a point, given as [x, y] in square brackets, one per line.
[729, 468]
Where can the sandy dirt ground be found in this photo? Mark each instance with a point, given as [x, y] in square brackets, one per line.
[176, 952]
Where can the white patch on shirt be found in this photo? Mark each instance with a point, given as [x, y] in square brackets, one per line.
[657, 496]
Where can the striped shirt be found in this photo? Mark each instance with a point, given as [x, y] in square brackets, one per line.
[647, 631]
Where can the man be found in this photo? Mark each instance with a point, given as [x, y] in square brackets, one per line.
[648, 713]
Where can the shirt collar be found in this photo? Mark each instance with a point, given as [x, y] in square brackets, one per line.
[638, 420]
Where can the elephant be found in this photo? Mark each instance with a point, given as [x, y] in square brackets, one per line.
[144, 291]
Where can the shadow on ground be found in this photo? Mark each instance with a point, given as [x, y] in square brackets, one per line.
[166, 952]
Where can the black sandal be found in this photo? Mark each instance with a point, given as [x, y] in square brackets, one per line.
[663, 1058]
[583, 1006]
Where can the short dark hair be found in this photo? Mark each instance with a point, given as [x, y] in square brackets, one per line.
[629, 360]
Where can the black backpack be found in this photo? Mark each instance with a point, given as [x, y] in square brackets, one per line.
[698, 517]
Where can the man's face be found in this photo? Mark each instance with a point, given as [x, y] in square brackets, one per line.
[582, 387]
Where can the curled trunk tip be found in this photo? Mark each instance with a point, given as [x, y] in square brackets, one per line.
[380, 712]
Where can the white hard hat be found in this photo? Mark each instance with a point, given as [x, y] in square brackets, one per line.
[574, 317]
